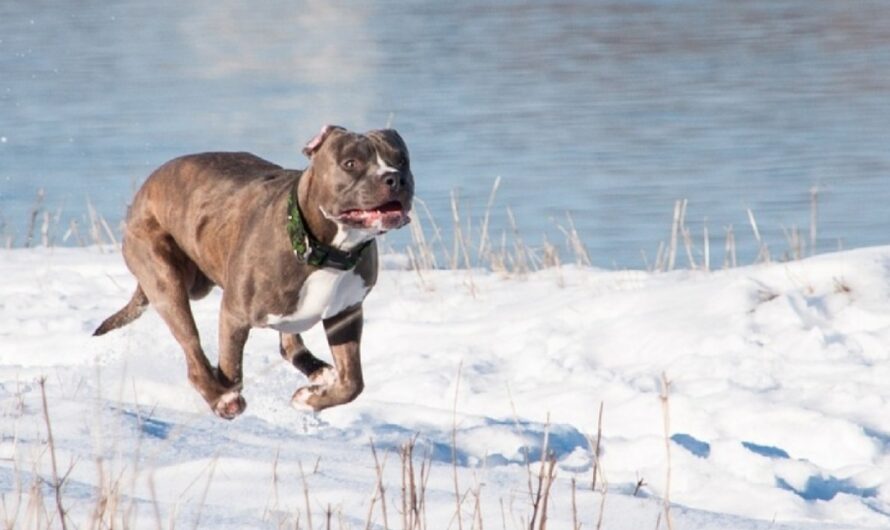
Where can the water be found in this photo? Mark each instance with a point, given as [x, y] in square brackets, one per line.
[609, 110]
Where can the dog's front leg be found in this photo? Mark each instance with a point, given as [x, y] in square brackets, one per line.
[232, 336]
[342, 383]
[295, 352]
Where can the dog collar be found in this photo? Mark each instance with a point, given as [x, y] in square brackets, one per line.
[310, 250]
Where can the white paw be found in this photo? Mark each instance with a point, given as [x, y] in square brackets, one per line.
[229, 405]
[303, 396]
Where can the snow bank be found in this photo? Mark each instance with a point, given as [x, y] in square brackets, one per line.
[779, 397]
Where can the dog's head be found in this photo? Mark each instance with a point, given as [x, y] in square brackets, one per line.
[364, 180]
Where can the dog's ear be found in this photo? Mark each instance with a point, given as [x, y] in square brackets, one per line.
[315, 144]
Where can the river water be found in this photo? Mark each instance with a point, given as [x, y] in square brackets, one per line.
[610, 110]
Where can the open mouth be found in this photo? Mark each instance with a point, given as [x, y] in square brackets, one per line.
[387, 216]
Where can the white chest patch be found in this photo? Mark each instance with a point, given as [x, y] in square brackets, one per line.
[324, 294]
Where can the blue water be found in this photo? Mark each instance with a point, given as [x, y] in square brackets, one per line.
[611, 110]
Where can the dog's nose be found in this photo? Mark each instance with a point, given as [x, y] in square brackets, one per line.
[393, 181]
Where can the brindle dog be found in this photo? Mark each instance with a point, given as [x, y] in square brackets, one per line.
[289, 248]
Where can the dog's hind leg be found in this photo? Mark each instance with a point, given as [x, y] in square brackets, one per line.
[295, 352]
[161, 268]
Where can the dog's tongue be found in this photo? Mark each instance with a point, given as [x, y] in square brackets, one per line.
[387, 216]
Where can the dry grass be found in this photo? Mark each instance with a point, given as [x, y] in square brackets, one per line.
[473, 244]
[45, 226]
[666, 415]
[509, 252]
[796, 244]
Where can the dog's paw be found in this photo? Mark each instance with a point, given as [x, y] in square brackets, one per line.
[229, 405]
[306, 398]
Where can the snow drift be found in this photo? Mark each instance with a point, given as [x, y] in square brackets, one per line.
[779, 399]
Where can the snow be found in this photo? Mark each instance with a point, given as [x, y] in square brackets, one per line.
[779, 405]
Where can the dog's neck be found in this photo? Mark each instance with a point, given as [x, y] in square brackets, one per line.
[321, 224]
[315, 222]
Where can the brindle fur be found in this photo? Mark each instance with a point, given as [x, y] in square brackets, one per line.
[219, 219]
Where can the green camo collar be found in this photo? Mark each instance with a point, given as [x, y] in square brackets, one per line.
[310, 250]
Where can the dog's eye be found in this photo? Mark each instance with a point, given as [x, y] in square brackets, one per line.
[401, 161]
[349, 164]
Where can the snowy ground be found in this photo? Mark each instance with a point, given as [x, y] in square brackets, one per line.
[779, 399]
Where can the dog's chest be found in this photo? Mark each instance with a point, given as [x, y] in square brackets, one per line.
[324, 294]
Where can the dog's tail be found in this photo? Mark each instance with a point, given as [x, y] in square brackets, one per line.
[130, 312]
